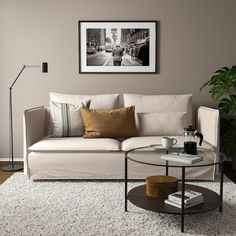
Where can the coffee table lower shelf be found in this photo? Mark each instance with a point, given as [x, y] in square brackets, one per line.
[138, 197]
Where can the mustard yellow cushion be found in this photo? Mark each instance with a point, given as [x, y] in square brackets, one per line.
[119, 123]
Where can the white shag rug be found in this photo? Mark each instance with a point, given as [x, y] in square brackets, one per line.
[97, 208]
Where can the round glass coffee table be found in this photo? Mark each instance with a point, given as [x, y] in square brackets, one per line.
[151, 155]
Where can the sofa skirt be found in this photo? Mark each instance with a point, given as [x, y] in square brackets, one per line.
[100, 166]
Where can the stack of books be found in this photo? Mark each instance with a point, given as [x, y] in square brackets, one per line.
[191, 198]
[182, 158]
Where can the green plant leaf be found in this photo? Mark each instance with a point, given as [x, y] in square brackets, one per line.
[222, 70]
[222, 88]
[204, 85]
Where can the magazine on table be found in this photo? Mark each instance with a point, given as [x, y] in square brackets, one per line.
[189, 196]
[167, 201]
[182, 158]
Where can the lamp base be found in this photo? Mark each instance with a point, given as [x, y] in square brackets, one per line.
[12, 167]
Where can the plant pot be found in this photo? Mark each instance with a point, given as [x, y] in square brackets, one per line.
[234, 162]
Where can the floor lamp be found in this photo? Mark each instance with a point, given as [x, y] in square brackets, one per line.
[12, 166]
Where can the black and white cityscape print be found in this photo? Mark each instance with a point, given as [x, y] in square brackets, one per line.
[117, 47]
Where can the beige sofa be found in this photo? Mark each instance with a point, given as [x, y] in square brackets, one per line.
[46, 157]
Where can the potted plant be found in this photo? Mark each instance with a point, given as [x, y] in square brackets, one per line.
[222, 88]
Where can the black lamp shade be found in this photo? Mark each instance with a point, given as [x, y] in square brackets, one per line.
[44, 67]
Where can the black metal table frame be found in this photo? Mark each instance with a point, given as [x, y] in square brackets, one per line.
[182, 183]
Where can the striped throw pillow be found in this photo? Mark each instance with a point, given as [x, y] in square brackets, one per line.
[67, 120]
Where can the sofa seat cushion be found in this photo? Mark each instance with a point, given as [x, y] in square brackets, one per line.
[74, 144]
[136, 142]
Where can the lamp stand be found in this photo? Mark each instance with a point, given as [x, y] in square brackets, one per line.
[12, 166]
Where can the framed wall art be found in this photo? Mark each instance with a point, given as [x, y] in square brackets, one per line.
[118, 47]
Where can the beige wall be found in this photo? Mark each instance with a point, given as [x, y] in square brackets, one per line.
[196, 38]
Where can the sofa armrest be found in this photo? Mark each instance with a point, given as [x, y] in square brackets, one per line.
[209, 125]
[34, 125]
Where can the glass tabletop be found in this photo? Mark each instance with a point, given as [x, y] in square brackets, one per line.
[154, 154]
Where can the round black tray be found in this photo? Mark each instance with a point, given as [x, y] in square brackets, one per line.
[138, 197]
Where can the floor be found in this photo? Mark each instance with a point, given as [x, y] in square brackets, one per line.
[4, 175]
[231, 174]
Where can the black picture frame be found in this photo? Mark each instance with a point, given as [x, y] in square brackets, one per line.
[97, 40]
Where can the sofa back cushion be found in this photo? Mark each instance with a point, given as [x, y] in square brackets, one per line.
[160, 103]
[101, 101]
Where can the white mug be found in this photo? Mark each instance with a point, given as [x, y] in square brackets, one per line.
[167, 142]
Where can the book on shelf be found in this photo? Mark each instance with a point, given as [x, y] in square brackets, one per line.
[189, 196]
[175, 204]
[182, 158]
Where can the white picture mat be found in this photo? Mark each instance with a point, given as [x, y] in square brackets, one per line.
[119, 25]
